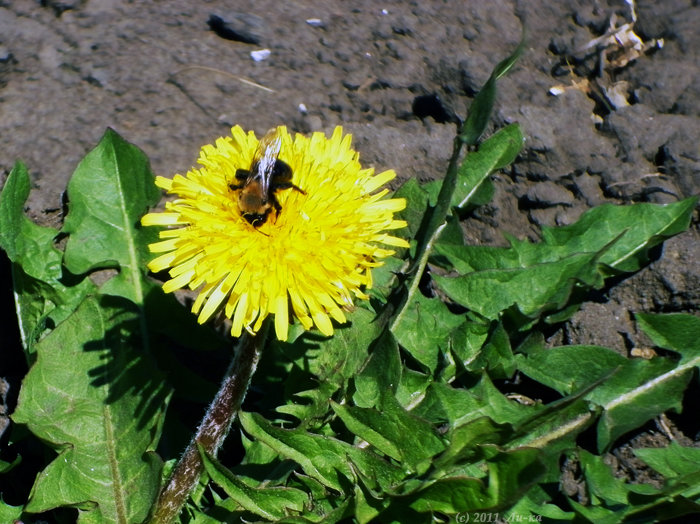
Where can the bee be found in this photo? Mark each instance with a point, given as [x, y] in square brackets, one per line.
[258, 185]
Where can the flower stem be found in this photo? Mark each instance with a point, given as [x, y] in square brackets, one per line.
[213, 429]
[434, 221]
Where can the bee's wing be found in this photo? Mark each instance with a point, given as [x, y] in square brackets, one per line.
[266, 156]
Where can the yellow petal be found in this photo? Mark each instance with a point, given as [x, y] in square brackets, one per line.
[281, 318]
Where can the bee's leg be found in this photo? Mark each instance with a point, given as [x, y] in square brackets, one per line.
[241, 175]
[289, 185]
[298, 189]
[277, 206]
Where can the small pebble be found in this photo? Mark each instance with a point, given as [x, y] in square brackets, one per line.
[314, 22]
[260, 55]
[5, 54]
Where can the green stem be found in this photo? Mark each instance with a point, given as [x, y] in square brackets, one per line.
[437, 218]
[213, 430]
[434, 222]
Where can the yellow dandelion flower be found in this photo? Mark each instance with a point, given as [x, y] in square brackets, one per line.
[265, 224]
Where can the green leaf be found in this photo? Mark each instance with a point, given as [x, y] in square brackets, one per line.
[417, 200]
[412, 387]
[325, 459]
[495, 355]
[319, 367]
[6, 467]
[467, 342]
[513, 473]
[272, 503]
[539, 278]
[672, 461]
[393, 431]
[554, 428]
[10, 513]
[510, 475]
[677, 332]
[463, 442]
[645, 226]
[630, 391]
[433, 221]
[533, 290]
[41, 305]
[26, 244]
[569, 368]
[452, 233]
[324, 507]
[41, 295]
[381, 373]
[461, 185]
[452, 495]
[383, 280]
[307, 373]
[482, 106]
[639, 391]
[642, 389]
[496, 152]
[536, 506]
[614, 500]
[444, 403]
[309, 404]
[597, 514]
[257, 453]
[338, 358]
[623, 235]
[100, 403]
[600, 480]
[109, 191]
[367, 505]
[424, 328]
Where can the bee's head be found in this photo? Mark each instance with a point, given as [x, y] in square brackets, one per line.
[253, 208]
[256, 219]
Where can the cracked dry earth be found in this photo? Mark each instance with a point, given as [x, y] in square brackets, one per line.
[608, 118]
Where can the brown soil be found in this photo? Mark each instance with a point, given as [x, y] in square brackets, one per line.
[394, 74]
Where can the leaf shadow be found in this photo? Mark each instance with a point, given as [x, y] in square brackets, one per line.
[128, 369]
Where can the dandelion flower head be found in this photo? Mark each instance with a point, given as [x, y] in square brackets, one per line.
[308, 260]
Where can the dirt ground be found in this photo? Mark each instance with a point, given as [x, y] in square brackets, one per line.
[172, 76]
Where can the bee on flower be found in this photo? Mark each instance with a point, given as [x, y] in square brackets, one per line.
[289, 226]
